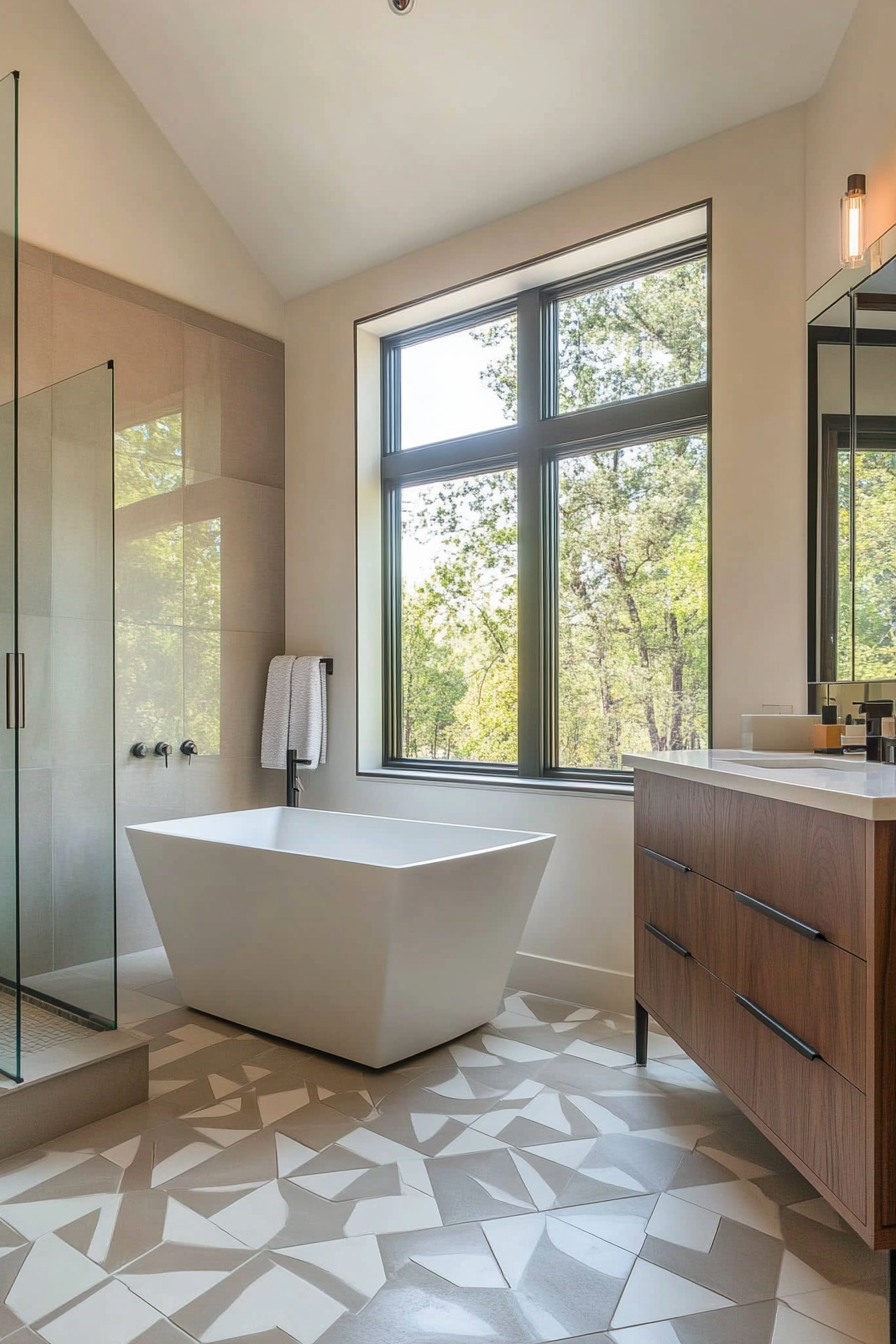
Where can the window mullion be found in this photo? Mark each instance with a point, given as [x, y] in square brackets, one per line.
[530, 657]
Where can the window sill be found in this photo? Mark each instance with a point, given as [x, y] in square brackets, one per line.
[450, 778]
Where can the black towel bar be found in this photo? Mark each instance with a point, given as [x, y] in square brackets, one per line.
[292, 760]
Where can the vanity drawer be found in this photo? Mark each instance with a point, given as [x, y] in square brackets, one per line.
[806, 863]
[811, 986]
[812, 1108]
[693, 1004]
[692, 910]
[674, 817]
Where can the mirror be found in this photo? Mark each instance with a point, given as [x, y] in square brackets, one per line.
[830, 635]
[852, 369]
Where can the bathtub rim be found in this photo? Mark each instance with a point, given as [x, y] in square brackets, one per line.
[525, 837]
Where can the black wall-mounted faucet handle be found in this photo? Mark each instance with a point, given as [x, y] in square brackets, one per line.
[163, 749]
[189, 749]
[139, 749]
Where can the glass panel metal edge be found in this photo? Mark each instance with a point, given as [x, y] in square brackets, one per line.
[10, 988]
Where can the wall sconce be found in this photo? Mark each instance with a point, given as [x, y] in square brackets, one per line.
[852, 222]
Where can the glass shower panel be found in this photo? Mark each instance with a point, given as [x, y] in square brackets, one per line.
[10, 992]
[67, 846]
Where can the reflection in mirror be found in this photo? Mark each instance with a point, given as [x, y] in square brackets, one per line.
[829, 373]
[874, 484]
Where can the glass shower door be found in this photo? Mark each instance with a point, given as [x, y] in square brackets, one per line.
[10, 991]
[66, 746]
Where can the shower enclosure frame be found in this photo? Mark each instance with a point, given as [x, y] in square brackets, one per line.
[58, 916]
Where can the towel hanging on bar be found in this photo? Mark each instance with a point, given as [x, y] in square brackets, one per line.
[295, 712]
[308, 712]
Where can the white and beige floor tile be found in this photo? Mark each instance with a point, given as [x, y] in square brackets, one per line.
[527, 1183]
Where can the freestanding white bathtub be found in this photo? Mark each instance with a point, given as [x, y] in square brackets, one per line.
[366, 937]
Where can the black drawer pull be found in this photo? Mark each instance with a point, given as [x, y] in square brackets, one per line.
[805, 930]
[664, 938]
[670, 863]
[793, 1041]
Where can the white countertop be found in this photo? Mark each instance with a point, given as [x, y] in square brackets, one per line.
[857, 788]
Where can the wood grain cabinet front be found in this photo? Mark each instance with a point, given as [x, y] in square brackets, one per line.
[815, 1111]
[674, 817]
[811, 986]
[806, 863]
[765, 942]
[694, 911]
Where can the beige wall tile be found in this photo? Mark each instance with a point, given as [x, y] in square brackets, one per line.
[35, 329]
[231, 785]
[202, 401]
[82, 688]
[244, 668]
[36, 871]
[83, 891]
[90, 328]
[252, 557]
[35, 505]
[150, 699]
[252, 414]
[35, 739]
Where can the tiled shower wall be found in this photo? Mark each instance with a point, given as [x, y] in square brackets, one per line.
[198, 467]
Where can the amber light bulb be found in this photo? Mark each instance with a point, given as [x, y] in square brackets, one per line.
[852, 222]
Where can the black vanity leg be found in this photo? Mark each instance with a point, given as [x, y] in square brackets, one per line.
[641, 1022]
[891, 1257]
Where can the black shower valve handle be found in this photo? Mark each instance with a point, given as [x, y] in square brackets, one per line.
[189, 749]
[163, 749]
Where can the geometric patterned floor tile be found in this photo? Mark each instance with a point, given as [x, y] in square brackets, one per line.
[526, 1183]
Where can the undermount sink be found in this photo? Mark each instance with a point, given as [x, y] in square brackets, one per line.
[804, 763]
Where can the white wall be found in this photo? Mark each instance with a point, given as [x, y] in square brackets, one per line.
[581, 925]
[851, 128]
[100, 183]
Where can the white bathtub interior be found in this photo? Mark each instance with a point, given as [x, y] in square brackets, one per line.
[384, 842]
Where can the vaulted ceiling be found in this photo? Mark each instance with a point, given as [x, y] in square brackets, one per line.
[333, 135]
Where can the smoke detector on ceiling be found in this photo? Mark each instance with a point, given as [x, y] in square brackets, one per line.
[401, 6]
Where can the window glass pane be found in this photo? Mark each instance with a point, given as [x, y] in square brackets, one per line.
[628, 340]
[462, 383]
[633, 627]
[459, 620]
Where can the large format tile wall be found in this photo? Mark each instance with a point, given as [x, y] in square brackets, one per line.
[199, 475]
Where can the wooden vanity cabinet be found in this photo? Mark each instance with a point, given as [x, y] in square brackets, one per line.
[765, 944]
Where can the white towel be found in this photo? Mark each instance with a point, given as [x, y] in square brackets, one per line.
[295, 712]
[308, 712]
[275, 729]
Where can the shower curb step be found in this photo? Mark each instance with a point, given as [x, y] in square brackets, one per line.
[72, 1085]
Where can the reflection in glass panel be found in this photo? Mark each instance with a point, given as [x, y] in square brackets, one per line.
[161, 439]
[629, 340]
[461, 383]
[168, 584]
[633, 600]
[67, 829]
[202, 689]
[459, 619]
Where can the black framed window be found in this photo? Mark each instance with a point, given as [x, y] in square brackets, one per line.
[545, 493]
